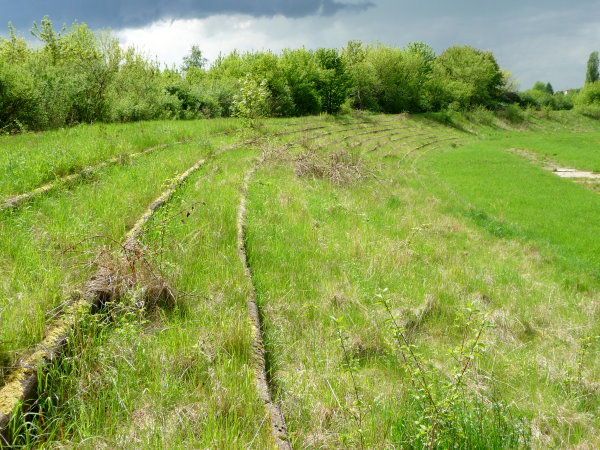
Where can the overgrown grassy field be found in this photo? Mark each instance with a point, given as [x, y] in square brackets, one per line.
[418, 284]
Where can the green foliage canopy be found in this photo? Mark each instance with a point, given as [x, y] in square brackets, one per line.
[464, 77]
[592, 75]
[77, 75]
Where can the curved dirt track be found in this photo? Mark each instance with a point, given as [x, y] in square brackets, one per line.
[278, 427]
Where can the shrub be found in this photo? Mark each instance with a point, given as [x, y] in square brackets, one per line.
[251, 103]
[588, 100]
[512, 113]
[17, 98]
[481, 115]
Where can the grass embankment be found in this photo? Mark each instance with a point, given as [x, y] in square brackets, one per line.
[46, 246]
[390, 237]
[77, 199]
[379, 262]
[36, 273]
[32, 159]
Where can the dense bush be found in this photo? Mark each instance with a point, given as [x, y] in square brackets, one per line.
[543, 96]
[464, 78]
[77, 75]
[588, 100]
[17, 98]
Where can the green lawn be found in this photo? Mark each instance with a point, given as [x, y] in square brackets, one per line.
[511, 197]
[578, 150]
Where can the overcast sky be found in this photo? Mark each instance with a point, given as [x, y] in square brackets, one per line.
[548, 40]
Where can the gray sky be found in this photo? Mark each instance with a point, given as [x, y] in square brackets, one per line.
[548, 40]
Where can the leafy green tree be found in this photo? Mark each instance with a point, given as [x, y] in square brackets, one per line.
[138, 91]
[15, 49]
[77, 75]
[425, 52]
[464, 77]
[17, 98]
[263, 66]
[587, 101]
[509, 82]
[543, 87]
[195, 60]
[590, 94]
[543, 95]
[45, 33]
[81, 53]
[592, 74]
[420, 58]
[17, 88]
[362, 76]
[252, 101]
[537, 97]
[333, 83]
[301, 72]
[266, 66]
[400, 78]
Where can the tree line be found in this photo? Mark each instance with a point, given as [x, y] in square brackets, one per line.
[77, 75]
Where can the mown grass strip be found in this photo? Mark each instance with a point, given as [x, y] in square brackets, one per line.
[484, 177]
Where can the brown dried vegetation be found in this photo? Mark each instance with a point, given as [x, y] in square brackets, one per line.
[128, 271]
[340, 167]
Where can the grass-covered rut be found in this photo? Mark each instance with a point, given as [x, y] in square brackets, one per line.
[34, 237]
[21, 384]
[232, 147]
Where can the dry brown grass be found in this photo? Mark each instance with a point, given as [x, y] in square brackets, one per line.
[340, 167]
[128, 271]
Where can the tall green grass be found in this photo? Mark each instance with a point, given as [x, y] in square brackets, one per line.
[46, 248]
[31, 159]
[405, 305]
[182, 378]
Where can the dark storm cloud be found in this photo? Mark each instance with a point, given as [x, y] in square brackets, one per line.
[118, 14]
[546, 40]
